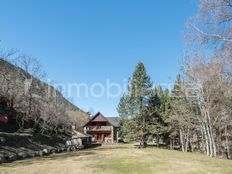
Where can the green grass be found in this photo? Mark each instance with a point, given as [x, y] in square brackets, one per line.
[123, 165]
[122, 159]
[154, 160]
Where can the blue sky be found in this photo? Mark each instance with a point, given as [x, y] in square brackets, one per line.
[90, 41]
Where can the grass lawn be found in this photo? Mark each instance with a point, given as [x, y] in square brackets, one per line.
[120, 159]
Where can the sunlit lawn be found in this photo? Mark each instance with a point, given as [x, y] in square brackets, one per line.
[120, 159]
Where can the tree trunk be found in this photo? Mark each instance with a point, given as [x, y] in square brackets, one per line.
[142, 143]
[182, 140]
[227, 143]
[213, 141]
[171, 144]
[187, 141]
[206, 139]
[157, 140]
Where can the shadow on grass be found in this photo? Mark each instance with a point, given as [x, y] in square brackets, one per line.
[110, 147]
[61, 156]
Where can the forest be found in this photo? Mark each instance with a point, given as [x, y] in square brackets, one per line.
[196, 114]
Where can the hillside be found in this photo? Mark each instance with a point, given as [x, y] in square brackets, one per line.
[38, 115]
[39, 86]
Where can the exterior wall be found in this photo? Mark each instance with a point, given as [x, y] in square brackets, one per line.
[101, 135]
[112, 134]
[101, 129]
[115, 135]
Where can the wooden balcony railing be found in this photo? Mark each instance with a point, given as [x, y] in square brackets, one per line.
[98, 128]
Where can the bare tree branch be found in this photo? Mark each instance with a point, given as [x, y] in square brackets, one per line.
[215, 36]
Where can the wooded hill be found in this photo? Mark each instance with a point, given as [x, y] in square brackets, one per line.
[38, 114]
[32, 103]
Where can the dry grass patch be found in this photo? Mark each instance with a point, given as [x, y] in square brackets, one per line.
[119, 160]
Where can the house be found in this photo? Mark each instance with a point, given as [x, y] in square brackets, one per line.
[103, 129]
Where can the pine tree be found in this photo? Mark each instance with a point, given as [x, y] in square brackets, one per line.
[140, 88]
[123, 107]
[133, 106]
[154, 118]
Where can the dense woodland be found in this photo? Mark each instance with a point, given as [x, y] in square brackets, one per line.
[196, 114]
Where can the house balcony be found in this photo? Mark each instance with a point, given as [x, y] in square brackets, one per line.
[98, 128]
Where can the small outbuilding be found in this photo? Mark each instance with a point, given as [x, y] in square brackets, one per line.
[83, 139]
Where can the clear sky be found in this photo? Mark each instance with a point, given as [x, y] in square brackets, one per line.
[90, 41]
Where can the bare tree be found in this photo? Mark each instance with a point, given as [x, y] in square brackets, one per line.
[208, 70]
[36, 104]
[183, 115]
[209, 84]
[31, 65]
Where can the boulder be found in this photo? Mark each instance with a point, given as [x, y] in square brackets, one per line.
[2, 159]
[62, 149]
[22, 155]
[45, 151]
[68, 149]
[31, 154]
[37, 153]
[41, 153]
[57, 150]
[53, 151]
[11, 157]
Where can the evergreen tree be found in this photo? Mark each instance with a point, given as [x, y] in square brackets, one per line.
[144, 110]
[165, 110]
[154, 118]
[140, 88]
[133, 105]
[158, 112]
[123, 107]
[183, 115]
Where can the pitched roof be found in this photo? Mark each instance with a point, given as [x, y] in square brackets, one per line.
[99, 117]
[77, 134]
[112, 120]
